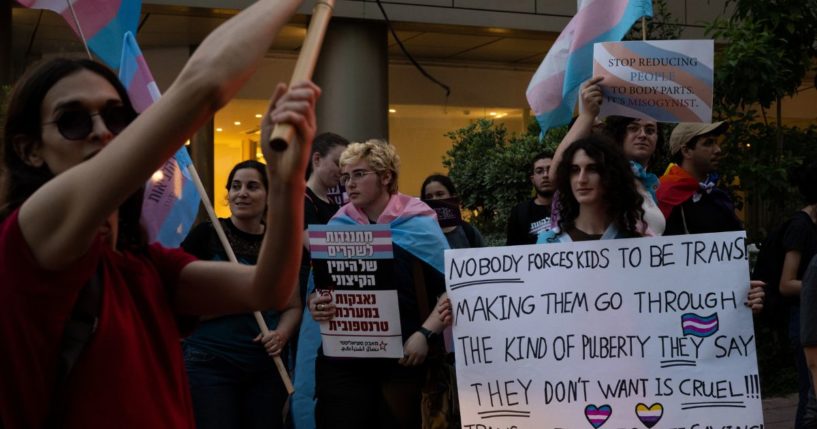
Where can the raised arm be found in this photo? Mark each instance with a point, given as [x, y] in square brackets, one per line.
[60, 220]
[590, 97]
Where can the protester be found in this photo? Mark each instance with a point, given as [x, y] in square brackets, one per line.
[808, 339]
[69, 204]
[362, 393]
[799, 245]
[597, 194]
[531, 217]
[323, 173]
[232, 378]
[638, 138]
[688, 194]
[437, 188]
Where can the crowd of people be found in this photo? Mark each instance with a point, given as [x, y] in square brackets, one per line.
[91, 315]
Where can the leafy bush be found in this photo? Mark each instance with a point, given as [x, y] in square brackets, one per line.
[492, 169]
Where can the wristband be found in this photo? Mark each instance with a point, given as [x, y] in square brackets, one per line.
[426, 333]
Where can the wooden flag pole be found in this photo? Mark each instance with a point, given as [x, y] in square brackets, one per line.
[644, 28]
[79, 29]
[259, 318]
[283, 134]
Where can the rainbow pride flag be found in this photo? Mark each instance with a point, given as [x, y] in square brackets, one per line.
[171, 200]
[103, 22]
[554, 88]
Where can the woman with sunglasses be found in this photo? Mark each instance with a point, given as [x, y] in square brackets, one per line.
[69, 230]
[232, 380]
[638, 138]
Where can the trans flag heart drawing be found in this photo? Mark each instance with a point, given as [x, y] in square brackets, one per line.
[649, 416]
[597, 416]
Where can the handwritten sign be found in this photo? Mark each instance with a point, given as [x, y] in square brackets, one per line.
[660, 80]
[355, 265]
[634, 333]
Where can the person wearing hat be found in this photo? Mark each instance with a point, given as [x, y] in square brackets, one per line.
[687, 195]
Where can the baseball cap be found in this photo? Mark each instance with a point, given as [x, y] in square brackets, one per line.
[686, 131]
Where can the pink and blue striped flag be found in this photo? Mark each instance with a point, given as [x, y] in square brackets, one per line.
[171, 200]
[553, 90]
[103, 22]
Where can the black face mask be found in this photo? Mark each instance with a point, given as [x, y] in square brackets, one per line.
[448, 211]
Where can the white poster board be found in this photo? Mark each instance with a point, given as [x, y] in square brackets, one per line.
[660, 80]
[633, 333]
[355, 265]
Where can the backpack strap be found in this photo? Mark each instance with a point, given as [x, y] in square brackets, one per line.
[77, 334]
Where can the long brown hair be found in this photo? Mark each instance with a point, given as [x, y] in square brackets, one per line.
[18, 179]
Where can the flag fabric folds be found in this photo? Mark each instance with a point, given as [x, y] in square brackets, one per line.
[103, 22]
[554, 88]
[171, 200]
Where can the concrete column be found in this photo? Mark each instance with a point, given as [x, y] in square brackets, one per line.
[353, 73]
[5, 43]
[201, 152]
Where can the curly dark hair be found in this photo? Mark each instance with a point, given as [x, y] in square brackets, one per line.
[620, 193]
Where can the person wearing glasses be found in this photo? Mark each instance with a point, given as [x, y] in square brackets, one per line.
[638, 138]
[688, 195]
[90, 314]
[382, 393]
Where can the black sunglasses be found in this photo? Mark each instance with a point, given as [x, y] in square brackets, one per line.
[77, 124]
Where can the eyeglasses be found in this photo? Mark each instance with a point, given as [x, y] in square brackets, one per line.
[648, 129]
[356, 175]
[77, 124]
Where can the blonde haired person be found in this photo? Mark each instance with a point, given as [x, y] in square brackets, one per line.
[355, 393]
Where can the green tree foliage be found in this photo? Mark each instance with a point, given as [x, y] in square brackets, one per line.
[770, 48]
[491, 168]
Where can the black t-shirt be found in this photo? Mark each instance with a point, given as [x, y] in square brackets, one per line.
[808, 305]
[203, 243]
[704, 216]
[316, 212]
[526, 221]
[801, 236]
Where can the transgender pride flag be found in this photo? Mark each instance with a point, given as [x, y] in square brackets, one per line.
[171, 200]
[699, 326]
[103, 22]
[554, 88]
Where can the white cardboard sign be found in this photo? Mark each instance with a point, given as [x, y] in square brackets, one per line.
[633, 333]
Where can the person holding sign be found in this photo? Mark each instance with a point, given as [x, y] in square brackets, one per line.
[597, 194]
[362, 393]
[460, 234]
[73, 257]
[232, 379]
[638, 139]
